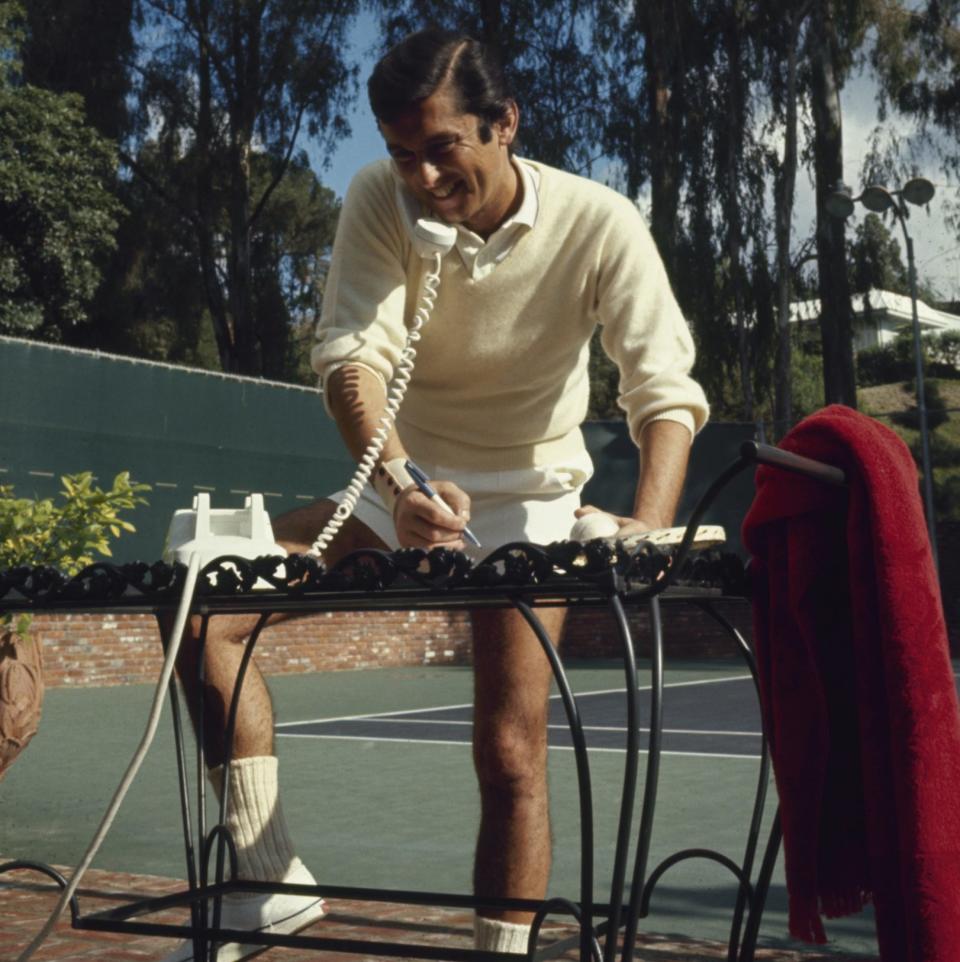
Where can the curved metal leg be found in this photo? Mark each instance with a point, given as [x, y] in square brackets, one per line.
[550, 906]
[754, 905]
[631, 765]
[44, 869]
[749, 945]
[196, 918]
[199, 910]
[655, 743]
[583, 779]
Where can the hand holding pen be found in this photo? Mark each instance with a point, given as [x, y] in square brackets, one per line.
[423, 485]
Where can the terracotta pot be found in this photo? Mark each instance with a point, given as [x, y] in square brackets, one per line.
[21, 694]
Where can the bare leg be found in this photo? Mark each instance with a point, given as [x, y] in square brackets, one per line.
[512, 683]
[253, 735]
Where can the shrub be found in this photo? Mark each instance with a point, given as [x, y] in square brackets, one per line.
[946, 498]
[934, 403]
[67, 535]
[943, 351]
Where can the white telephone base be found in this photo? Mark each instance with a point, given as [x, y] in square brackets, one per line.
[245, 532]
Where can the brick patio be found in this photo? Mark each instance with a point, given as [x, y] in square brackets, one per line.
[27, 898]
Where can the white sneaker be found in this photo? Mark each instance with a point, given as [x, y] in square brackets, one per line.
[261, 913]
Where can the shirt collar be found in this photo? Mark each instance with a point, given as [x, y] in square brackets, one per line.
[526, 214]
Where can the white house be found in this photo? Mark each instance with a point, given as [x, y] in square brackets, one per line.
[889, 314]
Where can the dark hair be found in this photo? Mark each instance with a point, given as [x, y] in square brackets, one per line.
[424, 61]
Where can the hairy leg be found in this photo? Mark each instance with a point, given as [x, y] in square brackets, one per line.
[226, 634]
[512, 684]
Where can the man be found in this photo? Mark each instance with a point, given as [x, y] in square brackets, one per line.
[492, 414]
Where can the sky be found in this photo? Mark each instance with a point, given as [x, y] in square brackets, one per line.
[937, 248]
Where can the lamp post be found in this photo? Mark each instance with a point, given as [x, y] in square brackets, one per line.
[840, 203]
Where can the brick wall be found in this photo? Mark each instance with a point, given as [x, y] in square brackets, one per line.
[123, 648]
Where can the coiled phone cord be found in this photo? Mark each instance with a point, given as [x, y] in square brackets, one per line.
[398, 388]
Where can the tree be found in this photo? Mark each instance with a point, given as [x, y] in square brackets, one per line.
[836, 314]
[231, 83]
[154, 305]
[787, 28]
[83, 47]
[57, 217]
[916, 56]
[875, 260]
[151, 303]
[291, 250]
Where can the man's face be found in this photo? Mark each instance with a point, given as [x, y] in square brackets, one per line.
[441, 157]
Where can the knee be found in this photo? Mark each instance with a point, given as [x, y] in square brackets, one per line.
[511, 760]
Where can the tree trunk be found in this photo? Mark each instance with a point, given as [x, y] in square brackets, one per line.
[836, 315]
[733, 146]
[664, 106]
[491, 21]
[785, 188]
[206, 211]
[243, 112]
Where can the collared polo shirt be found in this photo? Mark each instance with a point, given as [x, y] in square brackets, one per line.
[481, 256]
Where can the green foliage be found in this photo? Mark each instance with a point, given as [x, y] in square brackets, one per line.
[11, 37]
[944, 453]
[895, 361]
[57, 218]
[946, 497]
[604, 384]
[290, 253]
[66, 535]
[874, 259]
[232, 89]
[152, 302]
[944, 350]
[883, 364]
[807, 372]
[83, 47]
[933, 402]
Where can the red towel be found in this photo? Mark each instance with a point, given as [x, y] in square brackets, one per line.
[857, 690]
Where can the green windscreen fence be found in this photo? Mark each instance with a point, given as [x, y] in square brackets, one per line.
[181, 431]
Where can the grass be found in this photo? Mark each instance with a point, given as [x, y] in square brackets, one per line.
[885, 401]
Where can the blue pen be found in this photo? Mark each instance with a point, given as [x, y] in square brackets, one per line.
[424, 485]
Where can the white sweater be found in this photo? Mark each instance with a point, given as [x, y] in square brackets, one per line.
[501, 373]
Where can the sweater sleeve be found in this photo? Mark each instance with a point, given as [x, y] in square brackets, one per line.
[643, 331]
[362, 321]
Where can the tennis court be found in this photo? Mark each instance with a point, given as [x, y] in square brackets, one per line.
[378, 786]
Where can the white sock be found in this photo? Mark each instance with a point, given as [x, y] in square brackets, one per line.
[255, 819]
[492, 935]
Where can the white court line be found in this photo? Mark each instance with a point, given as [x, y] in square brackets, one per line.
[555, 748]
[565, 728]
[578, 695]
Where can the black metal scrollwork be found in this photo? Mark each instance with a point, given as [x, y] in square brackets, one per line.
[564, 565]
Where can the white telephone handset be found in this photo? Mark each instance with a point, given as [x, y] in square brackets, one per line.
[428, 235]
[431, 239]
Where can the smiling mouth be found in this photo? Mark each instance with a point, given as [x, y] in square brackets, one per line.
[442, 193]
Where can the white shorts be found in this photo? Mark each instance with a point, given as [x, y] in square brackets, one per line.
[530, 504]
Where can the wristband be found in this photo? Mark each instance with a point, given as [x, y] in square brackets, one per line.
[390, 479]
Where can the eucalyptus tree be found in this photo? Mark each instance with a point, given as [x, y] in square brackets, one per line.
[224, 84]
[785, 24]
[836, 34]
[916, 57]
